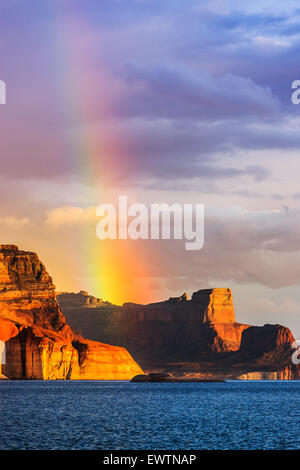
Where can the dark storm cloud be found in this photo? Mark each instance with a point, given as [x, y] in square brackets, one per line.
[182, 92]
[239, 246]
[171, 149]
[186, 84]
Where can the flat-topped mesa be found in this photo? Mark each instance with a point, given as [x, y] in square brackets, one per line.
[176, 327]
[208, 306]
[200, 335]
[39, 342]
[215, 305]
[80, 299]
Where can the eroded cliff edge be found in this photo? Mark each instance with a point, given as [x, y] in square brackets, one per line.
[39, 343]
[196, 337]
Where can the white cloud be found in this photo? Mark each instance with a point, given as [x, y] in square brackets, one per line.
[12, 221]
[70, 215]
[270, 42]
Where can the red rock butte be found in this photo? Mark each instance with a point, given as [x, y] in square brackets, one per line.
[38, 341]
[199, 336]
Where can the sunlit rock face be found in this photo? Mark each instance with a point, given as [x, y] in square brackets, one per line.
[214, 305]
[206, 323]
[80, 299]
[39, 343]
[287, 373]
[199, 336]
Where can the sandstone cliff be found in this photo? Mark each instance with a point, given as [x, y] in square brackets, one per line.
[39, 343]
[81, 299]
[200, 336]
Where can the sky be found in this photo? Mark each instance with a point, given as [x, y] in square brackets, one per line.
[162, 101]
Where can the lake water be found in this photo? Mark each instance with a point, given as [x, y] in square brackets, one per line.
[123, 415]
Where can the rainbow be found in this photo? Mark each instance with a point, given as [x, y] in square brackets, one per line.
[114, 270]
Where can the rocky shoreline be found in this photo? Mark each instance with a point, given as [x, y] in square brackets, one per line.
[170, 378]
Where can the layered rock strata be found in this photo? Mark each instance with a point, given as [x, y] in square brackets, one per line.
[199, 336]
[39, 344]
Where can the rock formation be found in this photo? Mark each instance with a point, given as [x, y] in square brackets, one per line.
[39, 343]
[80, 299]
[167, 377]
[199, 336]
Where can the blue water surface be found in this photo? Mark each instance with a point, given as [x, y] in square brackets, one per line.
[122, 415]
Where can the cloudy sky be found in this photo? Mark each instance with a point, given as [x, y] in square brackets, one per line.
[162, 101]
